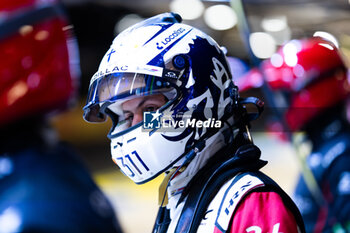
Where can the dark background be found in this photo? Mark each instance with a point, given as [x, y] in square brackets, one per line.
[94, 24]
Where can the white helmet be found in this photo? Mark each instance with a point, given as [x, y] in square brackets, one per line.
[162, 55]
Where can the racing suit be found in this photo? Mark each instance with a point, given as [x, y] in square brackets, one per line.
[227, 194]
[329, 163]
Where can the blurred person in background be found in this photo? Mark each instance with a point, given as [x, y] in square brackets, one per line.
[161, 72]
[44, 187]
[309, 83]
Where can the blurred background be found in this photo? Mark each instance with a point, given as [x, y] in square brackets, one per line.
[251, 30]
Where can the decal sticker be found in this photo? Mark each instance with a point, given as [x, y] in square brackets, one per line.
[236, 191]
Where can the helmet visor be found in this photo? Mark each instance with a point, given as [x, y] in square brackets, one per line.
[120, 87]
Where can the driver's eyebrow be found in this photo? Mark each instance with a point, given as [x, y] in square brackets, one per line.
[142, 102]
[138, 106]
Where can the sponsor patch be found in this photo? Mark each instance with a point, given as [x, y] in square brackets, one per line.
[235, 192]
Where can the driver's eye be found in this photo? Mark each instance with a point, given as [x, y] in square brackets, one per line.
[150, 109]
[129, 117]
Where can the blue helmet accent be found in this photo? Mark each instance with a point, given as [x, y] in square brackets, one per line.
[200, 59]
[179, 62]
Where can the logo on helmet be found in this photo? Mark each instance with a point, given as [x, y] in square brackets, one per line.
[170, 73]
[168, 39]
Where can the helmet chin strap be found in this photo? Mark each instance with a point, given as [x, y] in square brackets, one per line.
[163, 195]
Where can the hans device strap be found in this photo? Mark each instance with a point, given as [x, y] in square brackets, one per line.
[205, 184]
